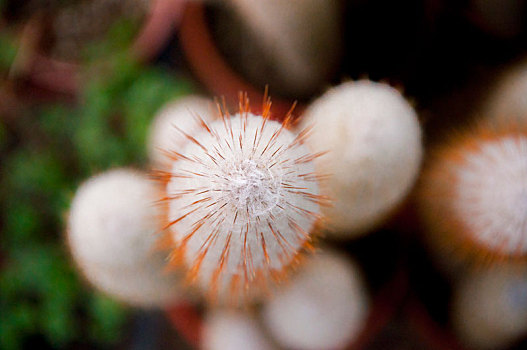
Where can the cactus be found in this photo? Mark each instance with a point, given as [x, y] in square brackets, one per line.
[242, 201]
[324, 307]
[111, 229]
[473, 194]
[374, 148]
[233, 330]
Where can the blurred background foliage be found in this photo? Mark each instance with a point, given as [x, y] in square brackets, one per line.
[45, 152]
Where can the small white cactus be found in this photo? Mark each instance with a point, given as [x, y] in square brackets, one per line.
[324, 307]
[490, 307]
[111, 227]
[491, 194]
[374, 154]
[233, 330]
[242, 200]
[473, 195]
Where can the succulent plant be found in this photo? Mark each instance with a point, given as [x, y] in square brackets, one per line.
[111, 234]
[373, 139]
[490, 307]
[242, 201]
[234, 330]
[325, 306]
[472, 194]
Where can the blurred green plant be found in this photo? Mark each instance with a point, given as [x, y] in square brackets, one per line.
[45, 154]
[8, 50]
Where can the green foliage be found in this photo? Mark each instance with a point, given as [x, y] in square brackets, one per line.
[57, 148]
[106, 318]
[3, 136]
[120, 35]
[8, 50]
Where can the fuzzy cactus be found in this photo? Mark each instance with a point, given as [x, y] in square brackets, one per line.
[473, 192]
[373, 139]
[324, 307]
[242, 201]
[233, 330]
[111, 236]
[490, 307]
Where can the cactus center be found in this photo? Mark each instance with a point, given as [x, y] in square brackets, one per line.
[252, 187]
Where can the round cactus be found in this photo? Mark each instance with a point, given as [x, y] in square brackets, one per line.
[324, 307]
[111, 235]
[473, 195]
[234, 331]
[373, 139]
[490, 307]
[242, 200]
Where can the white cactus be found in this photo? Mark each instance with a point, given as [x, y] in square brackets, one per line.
[324, 307]
[233, 330]
[111, 235]
[473, 195]
[242, 200]
[490, 307]
[491, 194]
[374, 148]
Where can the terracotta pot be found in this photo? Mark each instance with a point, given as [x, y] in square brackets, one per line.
[212, 70]
[188, 322]
[64, 77]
